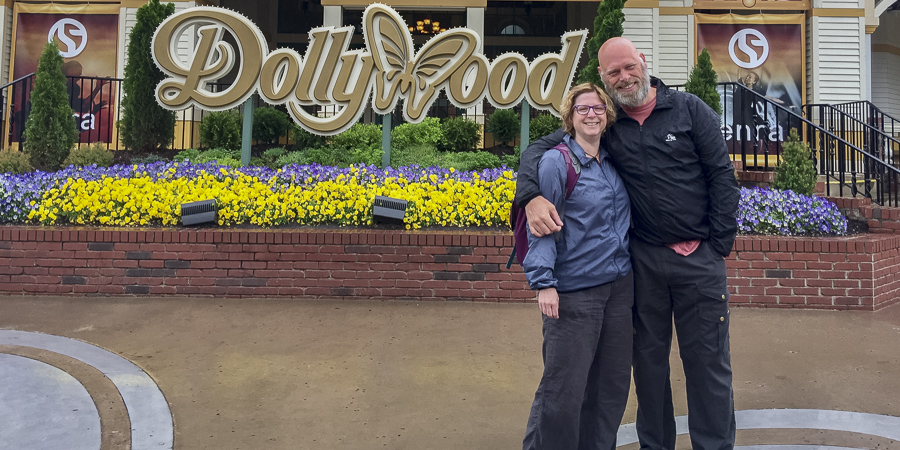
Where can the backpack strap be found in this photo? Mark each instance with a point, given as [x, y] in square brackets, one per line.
[573, 171]
[573, 165]
[518, 219]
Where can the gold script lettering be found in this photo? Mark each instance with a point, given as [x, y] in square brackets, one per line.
[506, 83]
[549, 76]
[188, 85]
[279, 76]
[342, 82]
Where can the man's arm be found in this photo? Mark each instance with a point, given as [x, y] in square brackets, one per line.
[527, 186]
[724, 193]
[542, 216]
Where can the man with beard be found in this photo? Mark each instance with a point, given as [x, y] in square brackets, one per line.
[668, 149]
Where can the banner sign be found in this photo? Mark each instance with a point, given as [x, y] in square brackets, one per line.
[87, 36]
[387, 70]
[764, 53]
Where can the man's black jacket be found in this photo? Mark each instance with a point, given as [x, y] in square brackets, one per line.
[676, 169]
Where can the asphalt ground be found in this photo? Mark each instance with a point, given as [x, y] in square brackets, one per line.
[326, 374]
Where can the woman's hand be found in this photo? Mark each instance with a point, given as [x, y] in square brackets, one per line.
[548, 300]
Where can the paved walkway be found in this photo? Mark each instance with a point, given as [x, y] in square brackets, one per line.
[100, 373]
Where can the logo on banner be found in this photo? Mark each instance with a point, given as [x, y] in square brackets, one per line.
[65, 30]
[748, 42]
[387, 70]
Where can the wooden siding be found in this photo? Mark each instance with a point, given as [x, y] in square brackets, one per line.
[838, 64]
[855, 4]
[7, 18]
[676, 44]
[885, 79]
[640, 27]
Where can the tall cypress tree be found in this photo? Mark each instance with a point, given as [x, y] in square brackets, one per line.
[607, 25]
[703, 81]
[145, 125]
[50, 130]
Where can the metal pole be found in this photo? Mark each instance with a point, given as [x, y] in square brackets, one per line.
[386, 140]
[523, 133]
[247, 134]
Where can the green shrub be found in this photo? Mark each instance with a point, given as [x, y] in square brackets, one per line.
[427, 132]
[14, 162]
[607, 24]
[504, 124]
[269, 158]
[703, 82]
[145, 125]
[269, 124]
[298, 158]
[149, 159]
[221, 129]
[421, 154]
[361, 144]
[460, 134]
[50, 130]
[512, 161]
[796, 170]
[542, 125]
[189, 154]
[326, 156]
[304, 139]
[96, 153]
[218, 155]
[359, 135]
[230, 162]
[273, 154]
[465, 161]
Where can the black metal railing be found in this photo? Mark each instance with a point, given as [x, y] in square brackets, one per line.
[862, 133]
[866, 111]
[755, 128]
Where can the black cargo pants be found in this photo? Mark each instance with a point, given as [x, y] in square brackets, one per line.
[587, 370]
[692, 289]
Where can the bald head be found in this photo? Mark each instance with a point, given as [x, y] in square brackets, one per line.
[623, 70]
[617, 48]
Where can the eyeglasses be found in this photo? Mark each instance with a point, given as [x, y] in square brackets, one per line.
[583, 109]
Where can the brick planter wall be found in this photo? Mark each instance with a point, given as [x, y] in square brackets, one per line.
[857, 272]
[261, 263]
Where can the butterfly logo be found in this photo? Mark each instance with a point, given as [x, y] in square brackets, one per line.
[417, 76]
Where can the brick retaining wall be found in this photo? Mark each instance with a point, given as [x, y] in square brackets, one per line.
[857, 272]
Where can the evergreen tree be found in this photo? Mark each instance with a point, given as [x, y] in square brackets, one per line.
[796, 171]
[703, 81]
[607, 25]
[145, 125]
[50, 131]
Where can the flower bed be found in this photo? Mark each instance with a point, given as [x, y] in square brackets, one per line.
[151, 194]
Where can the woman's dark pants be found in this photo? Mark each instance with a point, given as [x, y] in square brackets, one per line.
[587, 370]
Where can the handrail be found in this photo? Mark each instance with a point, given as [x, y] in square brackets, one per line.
[872, 111]
[16, 81]
[836, 157]
[871, 136]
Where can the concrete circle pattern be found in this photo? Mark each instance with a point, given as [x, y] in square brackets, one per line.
[41, 406]
[77, 368]
[63, 393]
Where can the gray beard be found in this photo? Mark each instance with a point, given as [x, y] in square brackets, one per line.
[632, 99]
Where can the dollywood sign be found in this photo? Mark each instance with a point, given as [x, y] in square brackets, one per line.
[329, 74]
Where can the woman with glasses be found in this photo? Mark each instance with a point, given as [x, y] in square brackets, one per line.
[585, 287]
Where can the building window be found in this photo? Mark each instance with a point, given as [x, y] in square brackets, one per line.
[512, 30]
